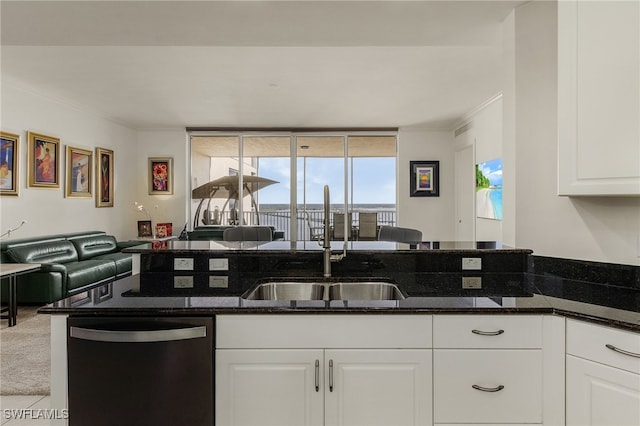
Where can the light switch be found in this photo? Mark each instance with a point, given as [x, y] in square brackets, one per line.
[183, 282]
[471, 264]
[182, 264]
[216, 281]
[218, 264]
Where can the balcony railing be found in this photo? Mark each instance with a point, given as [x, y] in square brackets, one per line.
[307, 223]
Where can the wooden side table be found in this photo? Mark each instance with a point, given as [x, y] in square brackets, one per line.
[11, 271]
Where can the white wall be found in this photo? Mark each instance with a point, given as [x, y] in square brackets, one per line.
[164, 208]
[595, 229]
[434, 216]
[47, 211]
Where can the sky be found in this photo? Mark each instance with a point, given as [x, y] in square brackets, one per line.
[374, 180]
[493, 171]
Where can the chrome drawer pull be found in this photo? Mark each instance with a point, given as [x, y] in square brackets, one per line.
[487, 333]
[317, 375]
[330, 375]
[483, 389]
[622, 351]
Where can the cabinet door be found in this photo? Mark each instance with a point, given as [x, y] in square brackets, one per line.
[378, 387]
[599, 395]
[598, 98]
[269, 387]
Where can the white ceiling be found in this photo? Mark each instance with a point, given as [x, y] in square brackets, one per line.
[168, 64]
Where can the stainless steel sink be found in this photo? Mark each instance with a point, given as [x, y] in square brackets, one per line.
[287, 290]
[315, 290]
[364, 290]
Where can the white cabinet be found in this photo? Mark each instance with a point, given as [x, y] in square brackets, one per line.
[371, 370]
[495, 369]
[598, 98]
[603, 376]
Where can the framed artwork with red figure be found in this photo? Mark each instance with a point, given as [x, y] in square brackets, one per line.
[79, 183]
[160, 176]
[43, 161]
[424, 178]
[9, 171]
[104, 177]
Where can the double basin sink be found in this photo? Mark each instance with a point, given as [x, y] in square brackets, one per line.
[324, 290]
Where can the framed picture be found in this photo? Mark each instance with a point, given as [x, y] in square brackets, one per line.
[144, 228]
[43, 161]
[79, 173]
[489, 189]
[9, 171]
[164, 229]
[104, 177]
[424, 178]
[160, 175]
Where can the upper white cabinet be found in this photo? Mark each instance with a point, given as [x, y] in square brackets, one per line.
[598, 98]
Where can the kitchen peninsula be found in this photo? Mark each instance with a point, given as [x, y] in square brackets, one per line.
[413, 359]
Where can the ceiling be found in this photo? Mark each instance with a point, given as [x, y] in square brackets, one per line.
[175, 64]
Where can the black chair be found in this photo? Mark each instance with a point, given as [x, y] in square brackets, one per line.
[248, 233]
[400, 235]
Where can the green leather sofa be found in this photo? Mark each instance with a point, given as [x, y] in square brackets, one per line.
[71, 264]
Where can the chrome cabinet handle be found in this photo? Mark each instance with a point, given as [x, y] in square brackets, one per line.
[317, 375]
[487, 333]
[483, 389]
[622, 351]
[138, 336]
[330, 375]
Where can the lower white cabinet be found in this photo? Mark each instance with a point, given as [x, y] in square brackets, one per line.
[323, 370]
[603, 376]
[323, 387]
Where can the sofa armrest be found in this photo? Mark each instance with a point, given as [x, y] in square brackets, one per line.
[121, 245]
[53, 267]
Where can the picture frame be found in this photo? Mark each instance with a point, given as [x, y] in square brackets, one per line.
[164, 229]
[79, 182]
[160, 176]
[144, 228]
[43, 161]
[424, 178]
[9, 164]
[104, 177]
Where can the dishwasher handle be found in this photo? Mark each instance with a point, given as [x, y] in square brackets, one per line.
[138, 336]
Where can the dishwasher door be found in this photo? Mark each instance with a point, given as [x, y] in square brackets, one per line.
[140, 371]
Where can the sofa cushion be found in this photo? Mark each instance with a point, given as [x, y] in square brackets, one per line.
[89, 247]
[123, 262]
[86, 272]
[74, 235]
[49, 252]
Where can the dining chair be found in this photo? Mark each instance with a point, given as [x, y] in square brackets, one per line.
[367, 226]
[338, 226]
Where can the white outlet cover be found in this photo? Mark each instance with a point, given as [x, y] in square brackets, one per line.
[182, 281]
[218, 264]
[471, 264]
[183, 264]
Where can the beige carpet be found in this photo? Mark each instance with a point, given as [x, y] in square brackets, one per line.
[25, 360]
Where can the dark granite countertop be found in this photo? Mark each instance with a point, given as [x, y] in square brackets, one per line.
[521, 295]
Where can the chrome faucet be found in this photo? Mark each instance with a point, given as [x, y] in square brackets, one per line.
[327, 257]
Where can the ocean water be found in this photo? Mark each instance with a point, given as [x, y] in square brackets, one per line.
[495, 194]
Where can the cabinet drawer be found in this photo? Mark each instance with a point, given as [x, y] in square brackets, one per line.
[323, 331]
[487, 331]
[457, 371]
[590, 341]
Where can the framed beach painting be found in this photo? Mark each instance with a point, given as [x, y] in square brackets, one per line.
[424, 178]
[104, 177]
[9, 171]
[43, 161]
[489, 189]
[79, 173]
[160, 175]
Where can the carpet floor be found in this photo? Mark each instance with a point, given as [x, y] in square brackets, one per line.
[25, 354]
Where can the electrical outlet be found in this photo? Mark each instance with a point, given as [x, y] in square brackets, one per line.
[183, 282]
[182, 264]
[471, 264]
[471, 282]
[217, 281]
[218, 264]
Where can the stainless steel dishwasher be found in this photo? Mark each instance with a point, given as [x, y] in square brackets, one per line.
[140, 371]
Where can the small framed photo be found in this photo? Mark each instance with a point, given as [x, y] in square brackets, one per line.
[160, 176]
[164, 229]
[424, 178]
[43, 161]
[9, 170]
[144, 228]
[79, 173]
[104, 177]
